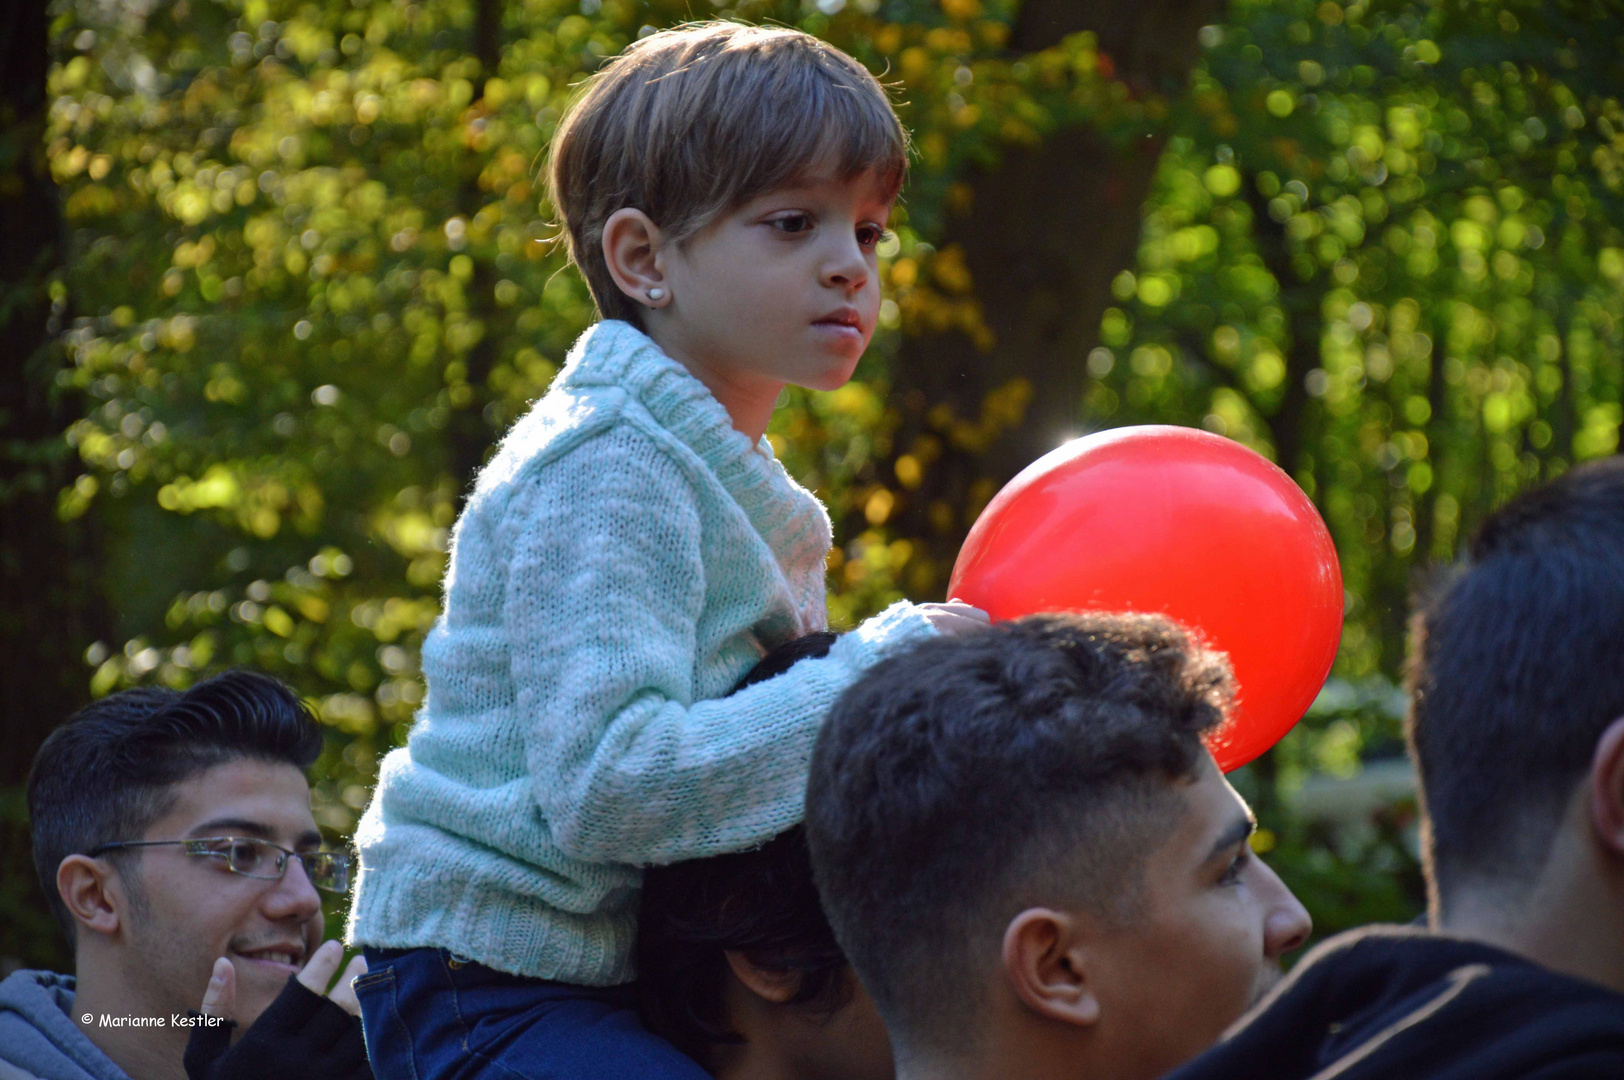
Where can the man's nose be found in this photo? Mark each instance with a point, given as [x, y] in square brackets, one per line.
[294, 895]
[1286, 923]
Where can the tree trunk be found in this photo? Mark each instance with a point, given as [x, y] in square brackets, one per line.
[471, 435]
[50, 608]
[1303, 302]
[1042, 278]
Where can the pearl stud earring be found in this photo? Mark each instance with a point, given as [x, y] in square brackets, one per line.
[656, 293]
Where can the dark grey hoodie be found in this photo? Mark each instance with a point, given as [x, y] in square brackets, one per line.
[39, 1036]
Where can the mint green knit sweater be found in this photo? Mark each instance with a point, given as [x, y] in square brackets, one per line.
[624, 558]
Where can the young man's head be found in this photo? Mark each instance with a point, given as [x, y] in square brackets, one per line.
[1030, 857]
[738, 966]
[127, 775]
[723, 188]
[1517, 727]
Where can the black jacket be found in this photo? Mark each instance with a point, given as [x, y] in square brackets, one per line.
[1397, 1003]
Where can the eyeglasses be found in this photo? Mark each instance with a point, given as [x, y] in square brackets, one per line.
[253, 857]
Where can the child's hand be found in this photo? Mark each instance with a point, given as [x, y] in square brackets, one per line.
[955, 617]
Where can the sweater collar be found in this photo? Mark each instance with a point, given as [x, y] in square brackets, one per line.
[615, 353]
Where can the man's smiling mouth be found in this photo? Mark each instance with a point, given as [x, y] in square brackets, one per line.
[288, 956]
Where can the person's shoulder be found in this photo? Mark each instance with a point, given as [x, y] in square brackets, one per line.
[577, 448]
[26, 990]
[9, 1071]
[1396, 954]
[1387, 1001]
[562, 420]
[618, 456]
[1406, 958]
[1390, 969]
[38, 1036]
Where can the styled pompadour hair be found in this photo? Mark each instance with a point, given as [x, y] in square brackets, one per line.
[109, 772]
[688, 123]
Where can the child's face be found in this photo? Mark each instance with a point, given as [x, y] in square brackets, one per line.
[784, 289]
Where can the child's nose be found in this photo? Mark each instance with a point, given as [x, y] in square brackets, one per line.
[848, 270]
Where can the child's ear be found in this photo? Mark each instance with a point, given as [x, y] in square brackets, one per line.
[1046, 963]
[631, 248]
[769, 984]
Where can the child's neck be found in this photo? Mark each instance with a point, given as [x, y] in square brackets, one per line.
[748, 398]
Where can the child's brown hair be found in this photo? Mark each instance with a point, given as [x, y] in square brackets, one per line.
[691, 122]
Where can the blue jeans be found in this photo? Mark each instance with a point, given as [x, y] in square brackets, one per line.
[430, 1015]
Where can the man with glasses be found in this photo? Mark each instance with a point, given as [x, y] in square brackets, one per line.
[173, 833]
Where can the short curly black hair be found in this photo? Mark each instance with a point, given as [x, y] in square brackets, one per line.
[760, 902]
[975, 776]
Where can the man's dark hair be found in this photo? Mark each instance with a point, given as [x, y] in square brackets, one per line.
[1518, 669]
[761, 903]
[975, 776]
[108, 773]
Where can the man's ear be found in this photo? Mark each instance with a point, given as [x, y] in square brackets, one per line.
[1045, 961]
[1607, 788]
[92, 892]
[777, 987]
[631, 249]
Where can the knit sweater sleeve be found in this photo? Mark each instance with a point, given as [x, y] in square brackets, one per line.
[605, 592]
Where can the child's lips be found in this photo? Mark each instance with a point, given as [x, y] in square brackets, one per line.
[842, 322]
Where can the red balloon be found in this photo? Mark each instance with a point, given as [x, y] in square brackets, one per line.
[1184, 523]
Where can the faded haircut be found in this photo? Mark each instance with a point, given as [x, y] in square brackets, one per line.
[1517, 670]
[110, 771]
[689, 123]
[972, 777]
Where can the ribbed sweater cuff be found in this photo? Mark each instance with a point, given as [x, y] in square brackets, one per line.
[417, 908]
[892, 630]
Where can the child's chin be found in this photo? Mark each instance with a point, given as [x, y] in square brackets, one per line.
[835, 377]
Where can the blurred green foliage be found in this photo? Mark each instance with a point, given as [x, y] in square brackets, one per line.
[1387, 249]
[315, 280]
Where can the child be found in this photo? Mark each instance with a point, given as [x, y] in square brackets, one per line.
[630, 552]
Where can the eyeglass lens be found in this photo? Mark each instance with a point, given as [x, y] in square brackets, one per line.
[328, 870]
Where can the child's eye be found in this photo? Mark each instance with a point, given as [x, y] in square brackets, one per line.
[792, 223]
[871, 236]
[1232, 873]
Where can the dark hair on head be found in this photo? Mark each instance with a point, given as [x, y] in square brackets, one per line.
[972, 777]
[761, 903]
[1517, 669]
[107, 773]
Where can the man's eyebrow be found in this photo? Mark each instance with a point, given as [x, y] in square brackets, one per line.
[228, 825]
[244, 827]
[1236, 833]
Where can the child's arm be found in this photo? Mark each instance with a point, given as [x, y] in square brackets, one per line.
[604, 594]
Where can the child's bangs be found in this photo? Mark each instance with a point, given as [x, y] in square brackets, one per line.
[838, 129]
[807, 119]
